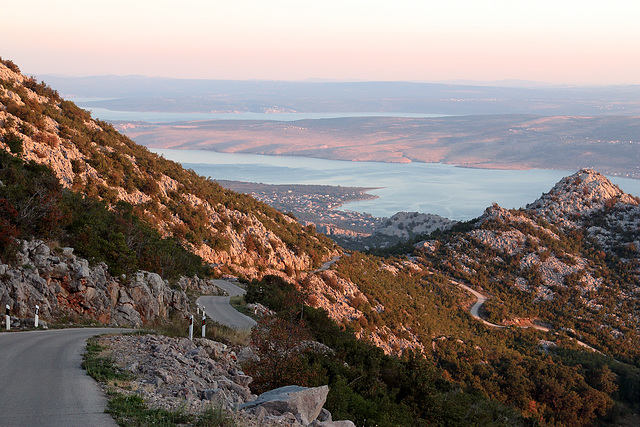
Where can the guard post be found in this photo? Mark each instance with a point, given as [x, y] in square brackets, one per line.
[35, 320]
[204, 321]
[191, 328]
[7, 317]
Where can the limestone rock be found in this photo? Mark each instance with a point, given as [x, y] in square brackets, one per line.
[179, 374]
[305, 403]
[63, 284]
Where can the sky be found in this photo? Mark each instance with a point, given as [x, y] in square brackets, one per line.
[558, 41]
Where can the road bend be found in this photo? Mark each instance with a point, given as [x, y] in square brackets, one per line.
[42, 382]
[219, 309]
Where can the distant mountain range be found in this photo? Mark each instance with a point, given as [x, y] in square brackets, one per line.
[138, 93]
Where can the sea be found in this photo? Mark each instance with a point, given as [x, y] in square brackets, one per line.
[450, 191]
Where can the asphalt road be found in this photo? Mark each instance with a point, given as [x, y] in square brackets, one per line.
[219, 309]
[42, 382]
[475, 309]
[327, 264]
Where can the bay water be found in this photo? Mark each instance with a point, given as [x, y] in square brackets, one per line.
[450, 191]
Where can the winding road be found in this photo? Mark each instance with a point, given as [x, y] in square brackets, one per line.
[475, 309]
[219, 309]
[42, 382]
[475, 312]
[328, 264]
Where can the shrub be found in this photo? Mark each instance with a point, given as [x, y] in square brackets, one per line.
[281, 360]
[14, 141]
[10, 65]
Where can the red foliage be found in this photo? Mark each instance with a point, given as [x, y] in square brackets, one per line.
[279, 344]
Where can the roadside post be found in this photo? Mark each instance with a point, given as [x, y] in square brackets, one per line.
[191, 328]
[197, 308]
[35, 322]
[204, 321]
[7, 318]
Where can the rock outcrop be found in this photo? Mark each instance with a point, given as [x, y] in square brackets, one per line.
[303, 403]
[409, 224]
[577, 196]
[64, 285]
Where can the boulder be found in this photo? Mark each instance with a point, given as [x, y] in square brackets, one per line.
[305, 403]
[344, 423]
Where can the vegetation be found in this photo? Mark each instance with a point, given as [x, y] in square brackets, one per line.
[34, 205]
[366, 385]
[101, 367]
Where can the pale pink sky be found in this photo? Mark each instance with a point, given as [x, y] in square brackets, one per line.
[560, 41]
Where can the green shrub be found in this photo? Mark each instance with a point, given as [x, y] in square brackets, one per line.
[14, 141]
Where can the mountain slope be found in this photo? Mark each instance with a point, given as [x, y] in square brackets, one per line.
[554, 285]
[231, 231]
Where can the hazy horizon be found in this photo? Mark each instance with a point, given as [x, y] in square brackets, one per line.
[558, 43]
[508, 83]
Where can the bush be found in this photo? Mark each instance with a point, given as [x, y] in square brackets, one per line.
[274, 292]
[14, 142]
[10, 65]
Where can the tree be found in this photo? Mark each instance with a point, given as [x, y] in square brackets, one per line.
[279, 345]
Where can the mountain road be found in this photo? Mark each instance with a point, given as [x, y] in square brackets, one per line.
[219, 309]
[42, 381]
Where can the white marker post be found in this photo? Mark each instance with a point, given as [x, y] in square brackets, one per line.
[191, 328]
[197, 308]
[204, 321]
[35, 322]
[7, 318]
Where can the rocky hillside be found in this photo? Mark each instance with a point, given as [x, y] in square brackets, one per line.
[401, 227]
[562, 283]
[67, 286]
[231, 231]
[570, 258]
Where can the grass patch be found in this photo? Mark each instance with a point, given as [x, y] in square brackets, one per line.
[178, 326]
[100, 367]
[175, 326]
[215, 417]
[239, 303]
[224, 334]
[131, 411]
[73, 320]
